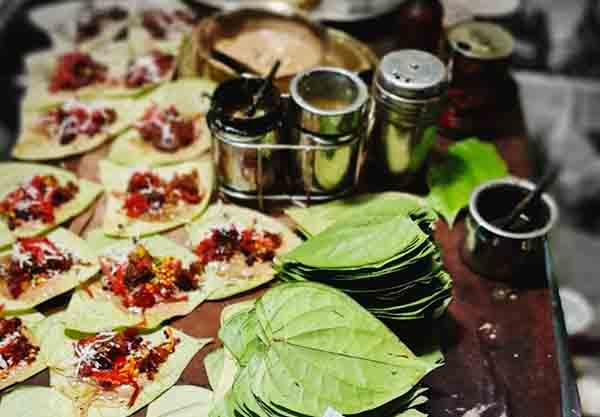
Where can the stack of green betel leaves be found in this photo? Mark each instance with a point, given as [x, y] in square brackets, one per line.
[304, 348]
[378, 249]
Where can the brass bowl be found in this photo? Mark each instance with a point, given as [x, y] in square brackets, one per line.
[330, 47]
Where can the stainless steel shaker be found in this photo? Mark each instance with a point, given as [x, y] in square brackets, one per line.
[407, 90]
[328, 113]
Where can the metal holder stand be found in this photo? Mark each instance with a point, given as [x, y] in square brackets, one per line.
[292, 193]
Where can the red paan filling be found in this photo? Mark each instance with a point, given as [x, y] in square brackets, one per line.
[36, 200]
[73, 118]
[15, 347]
[33, 262]
[150, 196]
[113, 360]
[149, 69]
[158, 22]
[223, 244]
[166, 130]
[144, 281]
[75, 70]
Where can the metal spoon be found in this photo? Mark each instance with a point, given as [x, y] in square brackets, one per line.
[261, 91]
[231, 62]
[509, 221]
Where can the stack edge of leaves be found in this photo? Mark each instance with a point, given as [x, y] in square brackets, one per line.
[303, 348]
[378, 250]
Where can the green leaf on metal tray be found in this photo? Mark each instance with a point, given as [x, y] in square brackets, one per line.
[469, 163]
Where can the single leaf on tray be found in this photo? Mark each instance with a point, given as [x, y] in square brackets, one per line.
[213, 363]
[358, 242]
[468, 164]
[182, 401]
[29, 401]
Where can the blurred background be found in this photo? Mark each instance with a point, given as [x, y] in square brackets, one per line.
[557, 68]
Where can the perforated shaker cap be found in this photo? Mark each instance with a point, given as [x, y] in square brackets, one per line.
[411, 73]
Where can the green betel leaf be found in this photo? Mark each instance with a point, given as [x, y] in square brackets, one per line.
[468, 164]
[188, 98]
[58, 349]
[358, 242]
[15, 174]
[315, 219]
[94, 309]
[35, 143]
[330, 352]
[240, 335]
[182, 401]
[235, 275]
[116, 178]
[214, 363]
[42, 66]
[30, 401]
[32, 322]
[84, 267]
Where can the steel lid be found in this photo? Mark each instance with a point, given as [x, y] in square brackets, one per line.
[481, 40]
[411, 73]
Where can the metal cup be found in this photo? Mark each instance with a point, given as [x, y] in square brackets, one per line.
[498, 253]
[328, 114]
[243, 167]
[327, 167]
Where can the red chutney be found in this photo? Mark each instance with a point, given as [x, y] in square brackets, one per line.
[166, 129]
[36, 200]
[148, 194]
[34, 261]
[112, 360]
[223, 244]
[15, 347]
[144, 281]
[74, 118]
[149, 69]
[75, 70]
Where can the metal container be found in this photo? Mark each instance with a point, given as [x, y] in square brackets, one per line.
[242, 167]
[480, 84]
[498, 253]
[479, 49]
[328, 113]
[407, 90]
[338, 48]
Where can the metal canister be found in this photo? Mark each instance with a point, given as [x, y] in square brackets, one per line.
[480, 84]
[327, 116]
[244, 169]
[499, 253]
[407, 90]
